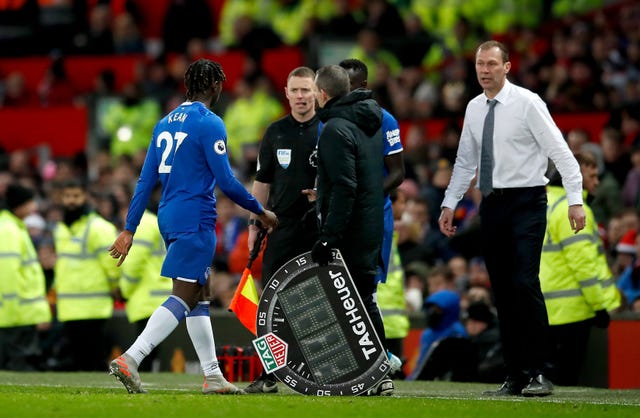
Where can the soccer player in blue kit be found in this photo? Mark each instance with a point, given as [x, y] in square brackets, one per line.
[188, 154]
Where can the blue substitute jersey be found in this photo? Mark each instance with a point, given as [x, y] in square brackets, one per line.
[188, 154]
[390, 135]
[392, 145]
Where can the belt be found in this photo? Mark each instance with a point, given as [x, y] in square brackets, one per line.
[516, 190]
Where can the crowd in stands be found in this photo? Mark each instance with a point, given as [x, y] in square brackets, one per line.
[420, 57]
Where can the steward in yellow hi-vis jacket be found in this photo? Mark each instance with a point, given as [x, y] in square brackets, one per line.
[141, 283]
[86, 277]
[573, 270]
[23, 303]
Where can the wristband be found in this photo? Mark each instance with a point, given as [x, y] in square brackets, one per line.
[256, 222]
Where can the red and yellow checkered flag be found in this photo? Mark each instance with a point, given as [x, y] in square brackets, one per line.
[245, 299]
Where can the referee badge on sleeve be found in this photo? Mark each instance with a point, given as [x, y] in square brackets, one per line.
[284, 157]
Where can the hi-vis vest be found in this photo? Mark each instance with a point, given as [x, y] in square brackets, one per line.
[85, 273]
[573, 267]
[22, 283]
[141, 283]
[391, 299]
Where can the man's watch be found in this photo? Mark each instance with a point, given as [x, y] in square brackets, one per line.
[256, 222]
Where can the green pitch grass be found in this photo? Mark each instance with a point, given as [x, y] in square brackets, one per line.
[61, 395]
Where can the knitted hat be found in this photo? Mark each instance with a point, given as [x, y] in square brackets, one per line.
[17, 195]
[480, 312]
[627, 244]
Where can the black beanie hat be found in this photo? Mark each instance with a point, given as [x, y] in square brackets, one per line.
[17, 195]
[480, 311]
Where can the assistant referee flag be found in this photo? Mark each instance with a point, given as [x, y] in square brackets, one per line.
[245, 299]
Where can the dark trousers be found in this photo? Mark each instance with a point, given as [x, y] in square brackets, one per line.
[568, 344]
[291, 238]
[87, 344]
[19, 348]
[513, 223]
[366, 286]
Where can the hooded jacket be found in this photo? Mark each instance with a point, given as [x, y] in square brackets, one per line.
[449, 326]
[350, 173]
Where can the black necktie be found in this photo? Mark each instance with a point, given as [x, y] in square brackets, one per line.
[486, 157]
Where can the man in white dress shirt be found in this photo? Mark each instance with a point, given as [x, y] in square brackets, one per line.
[519, 136]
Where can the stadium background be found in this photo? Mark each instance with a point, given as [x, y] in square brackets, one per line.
[49, 130]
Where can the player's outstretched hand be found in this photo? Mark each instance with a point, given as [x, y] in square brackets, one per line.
[269, 219]
[312, 194]
[121, 246]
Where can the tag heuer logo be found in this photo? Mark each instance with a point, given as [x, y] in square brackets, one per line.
[272, 351]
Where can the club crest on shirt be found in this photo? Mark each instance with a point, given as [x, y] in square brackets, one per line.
[219, 147]
[284, 157]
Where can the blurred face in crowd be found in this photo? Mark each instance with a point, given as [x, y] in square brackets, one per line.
[458, 265]
[589, 178]
[26, 209]
[300, 92]
[436, 282]
[491, 70]
[615, 230]
[474, 327]
[575, 139]
[73, 198]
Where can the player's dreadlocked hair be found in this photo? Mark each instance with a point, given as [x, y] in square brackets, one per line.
[201, 75]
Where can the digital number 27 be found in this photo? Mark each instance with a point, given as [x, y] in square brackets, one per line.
[165, 136]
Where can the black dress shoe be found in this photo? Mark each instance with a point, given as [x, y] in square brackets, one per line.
[508, 388]
[538, 386]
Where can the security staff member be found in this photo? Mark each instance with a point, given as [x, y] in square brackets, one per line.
[574, 278]
[86, 277]
[23, 303]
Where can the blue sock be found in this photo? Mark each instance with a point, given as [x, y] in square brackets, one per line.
[177, 307]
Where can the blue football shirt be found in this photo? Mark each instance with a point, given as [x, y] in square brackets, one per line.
[390, 135]
[188, 154]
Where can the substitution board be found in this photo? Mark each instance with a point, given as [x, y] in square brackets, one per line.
[314, 333]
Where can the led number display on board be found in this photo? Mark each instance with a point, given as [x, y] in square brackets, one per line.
[314, 333]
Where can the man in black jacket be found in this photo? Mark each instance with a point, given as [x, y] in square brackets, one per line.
[350, 183]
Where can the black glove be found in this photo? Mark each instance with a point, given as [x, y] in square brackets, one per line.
[601, 319]
[321, 252]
